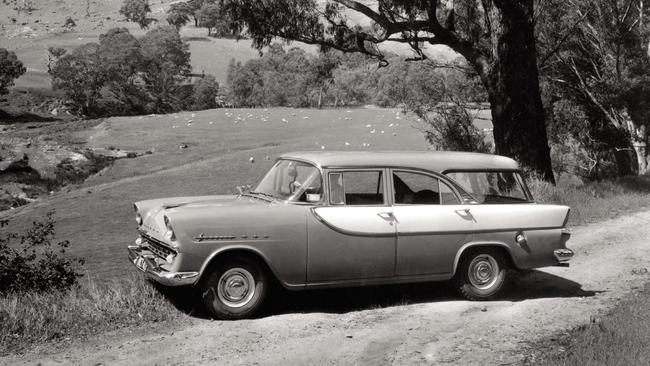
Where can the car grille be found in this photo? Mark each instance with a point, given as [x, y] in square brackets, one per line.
[158, 248]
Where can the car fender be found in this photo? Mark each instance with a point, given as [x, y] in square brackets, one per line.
[475, 244]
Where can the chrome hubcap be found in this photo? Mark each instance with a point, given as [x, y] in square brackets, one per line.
[483, 271]
[236, 287]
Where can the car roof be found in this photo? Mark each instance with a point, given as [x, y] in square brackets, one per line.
[437, 161]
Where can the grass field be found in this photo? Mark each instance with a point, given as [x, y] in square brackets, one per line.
[97, 216]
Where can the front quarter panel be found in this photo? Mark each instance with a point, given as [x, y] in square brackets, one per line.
[275, 232]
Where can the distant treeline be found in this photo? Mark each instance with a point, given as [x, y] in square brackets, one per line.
[295, 78]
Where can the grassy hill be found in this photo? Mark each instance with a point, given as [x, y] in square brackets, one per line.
[30, 34]
[97, 216]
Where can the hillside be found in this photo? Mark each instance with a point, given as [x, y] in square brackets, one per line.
[30, 34]
[200, 153]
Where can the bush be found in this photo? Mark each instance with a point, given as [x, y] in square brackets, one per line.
[10, 69]
[38, 264]
[451, 127]
[204, 92]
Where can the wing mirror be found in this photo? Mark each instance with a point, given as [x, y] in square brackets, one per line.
[313, 194]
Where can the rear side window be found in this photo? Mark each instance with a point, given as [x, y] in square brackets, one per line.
[421, 189]
[356, 188]
[491, 187]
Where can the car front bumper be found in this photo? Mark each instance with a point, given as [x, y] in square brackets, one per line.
[145, 261]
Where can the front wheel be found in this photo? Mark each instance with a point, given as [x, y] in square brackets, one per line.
[235, 289]
[481, 274]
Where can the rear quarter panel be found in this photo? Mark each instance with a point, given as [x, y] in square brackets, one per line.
[542, 226]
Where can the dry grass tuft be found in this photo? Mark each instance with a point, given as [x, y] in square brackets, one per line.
[619, 338]
[87, 309]
[597, 200]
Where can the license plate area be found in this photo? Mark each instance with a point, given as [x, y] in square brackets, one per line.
[141, 263]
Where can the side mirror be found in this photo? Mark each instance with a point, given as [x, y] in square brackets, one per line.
[313, 197]
[313, 194]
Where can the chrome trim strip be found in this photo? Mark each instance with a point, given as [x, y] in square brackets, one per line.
[347, 232]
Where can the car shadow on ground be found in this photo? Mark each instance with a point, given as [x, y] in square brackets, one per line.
[523, 285]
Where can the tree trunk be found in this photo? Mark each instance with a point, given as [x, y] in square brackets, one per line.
[641, 152]
[320, 99]
[512, 83]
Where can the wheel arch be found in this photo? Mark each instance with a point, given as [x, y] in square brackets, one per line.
[468, 247]
[238, 251]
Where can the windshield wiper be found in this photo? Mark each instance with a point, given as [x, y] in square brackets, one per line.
[263, 194]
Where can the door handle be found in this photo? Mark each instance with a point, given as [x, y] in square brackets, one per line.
[386, 216]
[464, 211]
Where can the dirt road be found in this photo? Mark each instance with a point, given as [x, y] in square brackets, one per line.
[421, 324]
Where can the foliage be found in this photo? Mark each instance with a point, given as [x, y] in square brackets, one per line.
[597, 61]
[205, 91]
[125, 75]
[210, 16]
[451, 127]
[136, 11]
[10, 69]
[38, 264]
[279, 78]
[179, 14]
[496, 38]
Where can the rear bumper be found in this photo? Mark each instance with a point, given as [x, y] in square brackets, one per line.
[563, 255]
[146, 262]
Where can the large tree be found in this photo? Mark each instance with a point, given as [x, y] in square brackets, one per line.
[496, 37]
[602, 65]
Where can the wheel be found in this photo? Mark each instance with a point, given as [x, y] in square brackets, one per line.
[481, 274]
[235, 289]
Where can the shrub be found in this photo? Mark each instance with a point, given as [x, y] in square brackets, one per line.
[38, 264]
[204, 92]
[10, 69]
[451, 127]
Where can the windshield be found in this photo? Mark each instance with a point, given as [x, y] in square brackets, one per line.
[491, 187]
[290, 180]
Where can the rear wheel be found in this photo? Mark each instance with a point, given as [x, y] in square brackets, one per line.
[481, 274]
[235, 289]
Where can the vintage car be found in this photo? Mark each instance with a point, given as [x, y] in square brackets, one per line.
[327, 219]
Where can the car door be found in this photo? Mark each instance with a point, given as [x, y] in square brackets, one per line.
[353, 237]
[431, 222]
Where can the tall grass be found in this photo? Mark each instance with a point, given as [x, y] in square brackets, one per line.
[88, 308]
[620, 338]
[595, 201]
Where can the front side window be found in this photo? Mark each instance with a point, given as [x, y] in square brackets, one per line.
[356, 188]
[421, 189]
[290, 180]
[491, 187]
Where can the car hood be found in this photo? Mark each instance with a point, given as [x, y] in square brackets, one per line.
[196, 201]
[153, 211]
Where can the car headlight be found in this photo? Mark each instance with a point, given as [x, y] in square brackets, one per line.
[169, 234]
